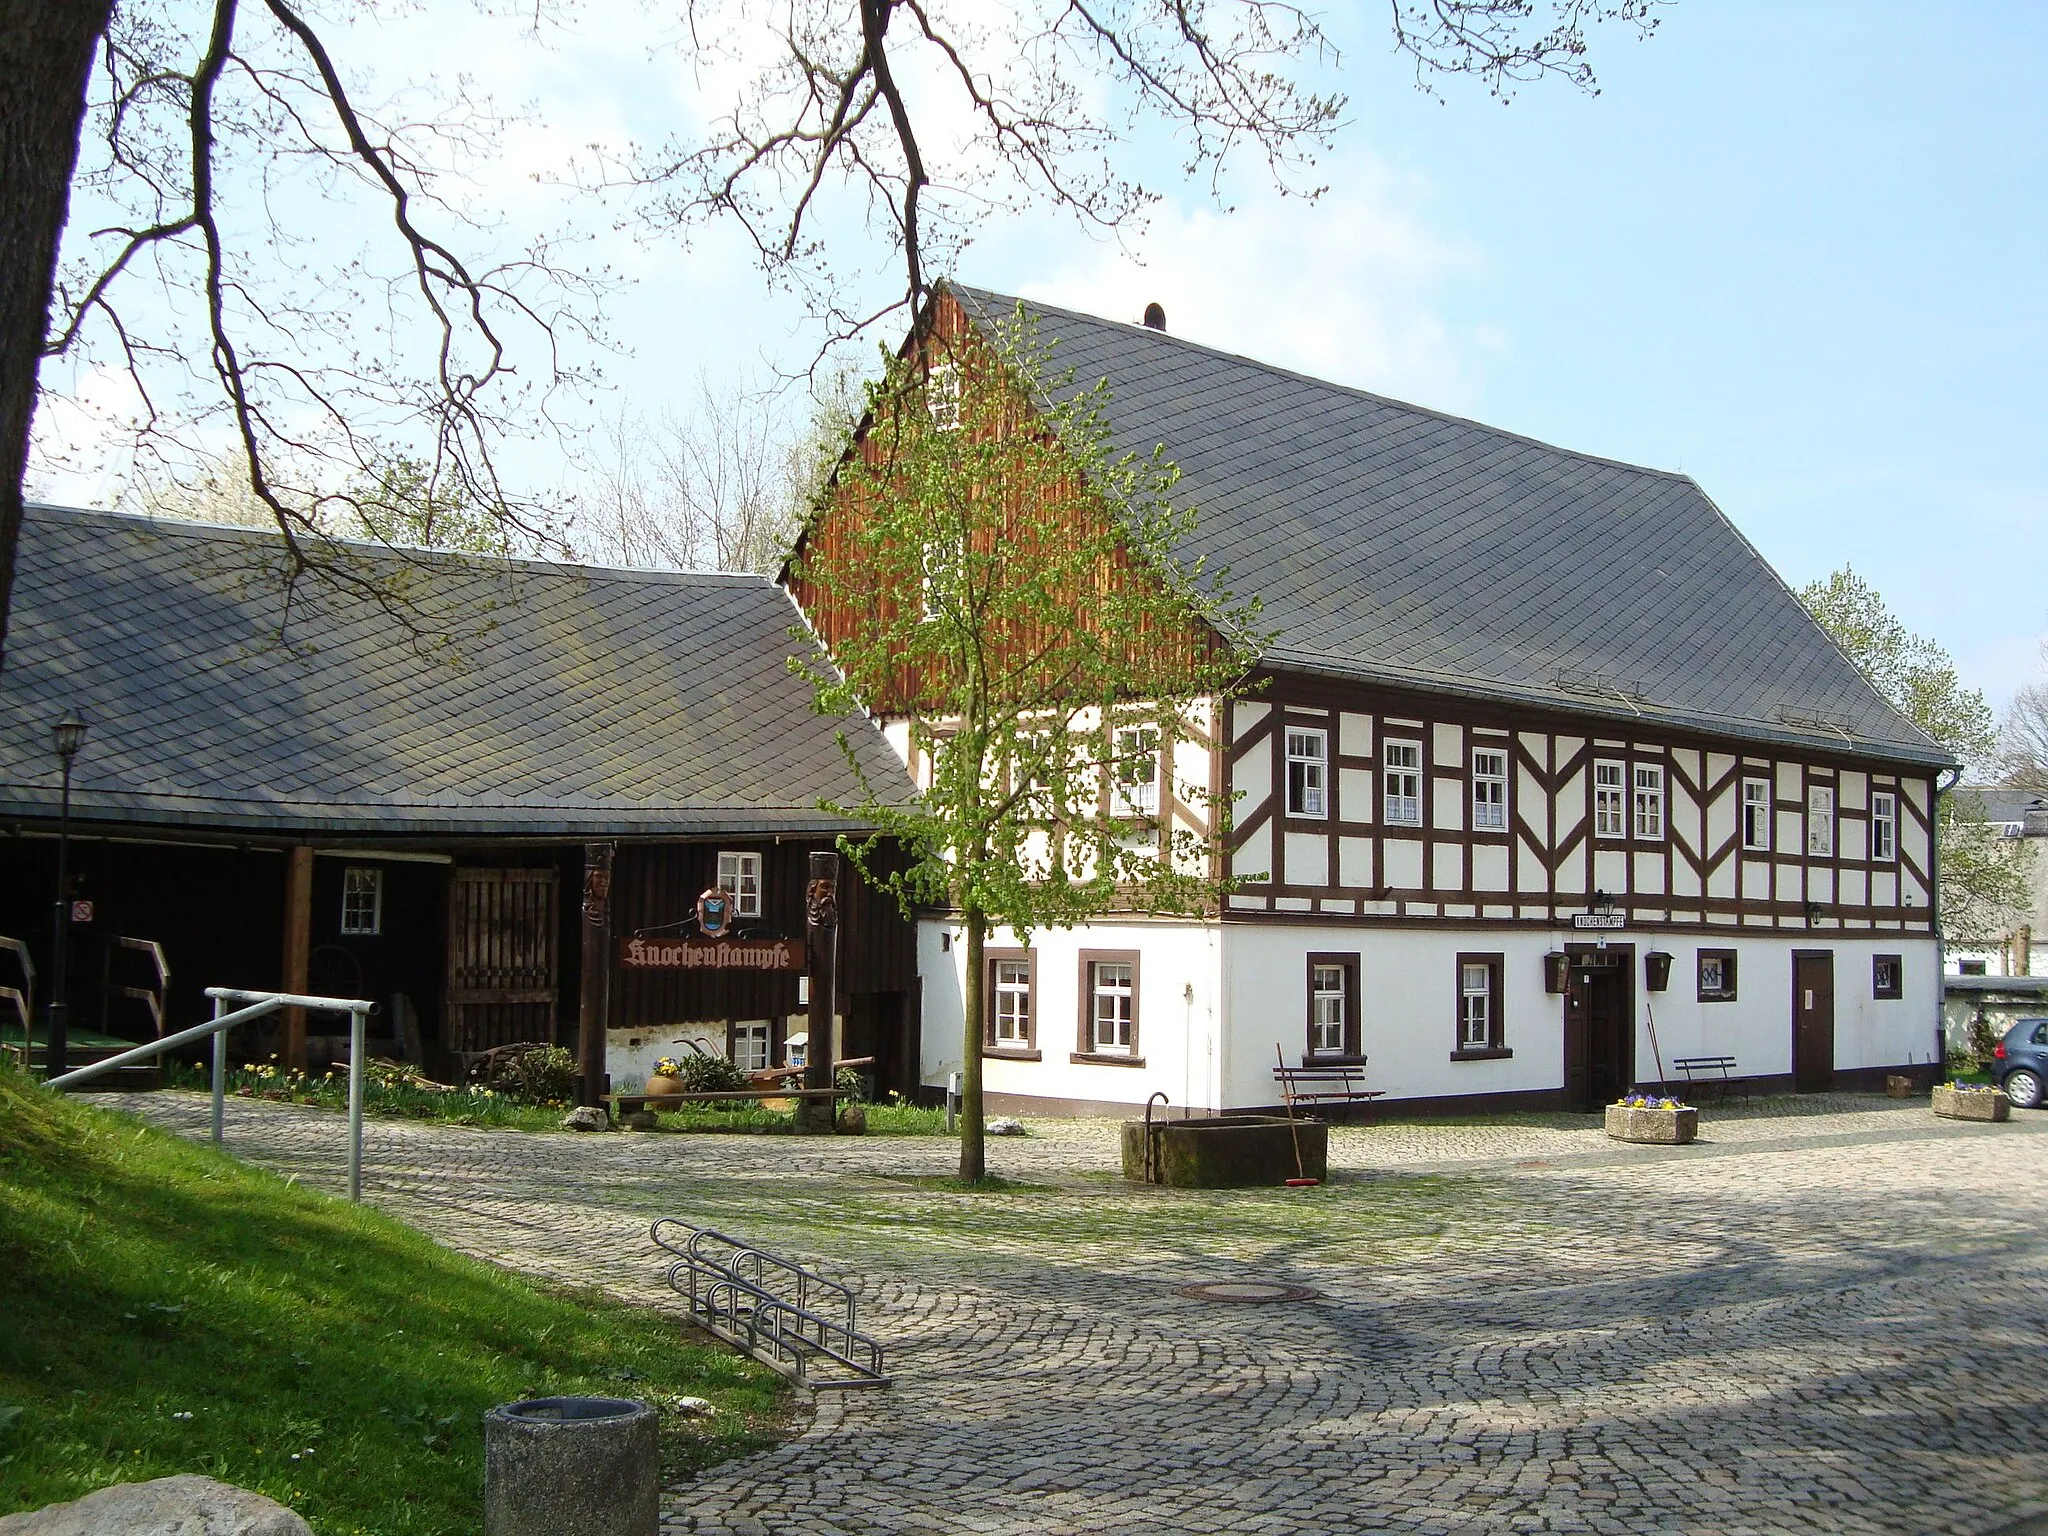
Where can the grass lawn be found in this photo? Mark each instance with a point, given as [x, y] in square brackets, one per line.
[170, 1310]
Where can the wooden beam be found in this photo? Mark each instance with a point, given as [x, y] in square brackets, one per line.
[298, 948]
[821, 913]
[594, 1005]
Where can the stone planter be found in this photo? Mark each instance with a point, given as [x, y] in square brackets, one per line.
[1980, 1104]
[1653, 1127]
[1226, 1151]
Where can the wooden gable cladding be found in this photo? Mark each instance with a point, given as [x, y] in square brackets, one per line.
[844, 594]
[1684, 862]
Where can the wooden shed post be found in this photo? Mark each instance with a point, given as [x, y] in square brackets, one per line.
[298, 949]
[594, 1006]
[821, 914]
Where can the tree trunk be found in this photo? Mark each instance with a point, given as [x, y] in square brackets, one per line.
[972, 1161]
[46, 56]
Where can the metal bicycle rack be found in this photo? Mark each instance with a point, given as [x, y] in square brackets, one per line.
[782, 1314]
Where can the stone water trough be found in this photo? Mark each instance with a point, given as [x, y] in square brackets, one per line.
[1225, 1151]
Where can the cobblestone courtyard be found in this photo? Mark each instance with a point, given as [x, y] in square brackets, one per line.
[1831, 1315]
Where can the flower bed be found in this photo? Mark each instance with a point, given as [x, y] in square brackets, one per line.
[1652, 1121]
[1971, 1101]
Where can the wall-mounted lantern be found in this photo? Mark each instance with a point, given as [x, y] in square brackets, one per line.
[1556, 970]
[1656, 970]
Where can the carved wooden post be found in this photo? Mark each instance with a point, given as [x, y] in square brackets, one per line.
[594, 1006]
[298, 950]
[821, 955]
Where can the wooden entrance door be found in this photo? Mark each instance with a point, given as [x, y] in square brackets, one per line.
[1813, 1021]
[1599, 1033]
[502, 962]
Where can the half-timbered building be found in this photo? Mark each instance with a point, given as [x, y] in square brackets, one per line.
[409, 790]
[1546, 782]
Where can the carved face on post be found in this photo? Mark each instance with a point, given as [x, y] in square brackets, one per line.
[597, 881]
[821, 903]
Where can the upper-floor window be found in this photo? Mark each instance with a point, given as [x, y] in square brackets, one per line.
[1756, 815]
[1404, 783]
[1031, 771]
[1308, 772]
[932, 566]
[740, 873]
[1610, 800]
[362, 900]
[942, 395]
[1820, 822]
[1649, 801]
[1884, 827]
[1489, 790]
[1135, 770]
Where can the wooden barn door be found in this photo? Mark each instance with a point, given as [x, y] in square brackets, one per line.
[502, 971]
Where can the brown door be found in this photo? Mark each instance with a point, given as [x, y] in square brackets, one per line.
[501, 958]
[1599, 1042]
[1813, 1021]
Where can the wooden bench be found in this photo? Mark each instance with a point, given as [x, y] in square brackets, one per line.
[1315, 1086]
[627, 1103]
[1694, 1067]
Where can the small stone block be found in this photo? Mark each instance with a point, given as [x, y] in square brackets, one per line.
[1972, 1104]
[1653, 1127]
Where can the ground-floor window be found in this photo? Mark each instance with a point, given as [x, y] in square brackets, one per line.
[1717, 975]
[1333, 1005]
[1887, 976]
[1479, 1011]
[750, 1045]
[1009, 1022]
[1109, 1004]
[362, 900]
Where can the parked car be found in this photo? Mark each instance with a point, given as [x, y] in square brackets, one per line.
[2020, 1063]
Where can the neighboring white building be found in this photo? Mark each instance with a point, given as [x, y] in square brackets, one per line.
[1534, 727]
[2021, 817]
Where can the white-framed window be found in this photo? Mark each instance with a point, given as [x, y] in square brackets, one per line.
[1134, 770]
[362, 900]
[1820, 821]
[1328, 1005]
[749, 1048]
[1308, 772]
[1113, 1012]
[942, 396]
[1478, 1003]
[1402, 785]
[1649, 801]
[1489, 790]
[1032, 771]
[1610, 799]
[740, 873]
[1756, 815]
[934, 565]
[1012, 1030]
[1884, 827]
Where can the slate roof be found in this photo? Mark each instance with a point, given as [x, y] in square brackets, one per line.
[2022, 807]
[572, 701]
[1404, 546]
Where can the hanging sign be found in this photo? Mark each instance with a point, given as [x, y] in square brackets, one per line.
[715, 913]
[1613, 920]
[711, 954]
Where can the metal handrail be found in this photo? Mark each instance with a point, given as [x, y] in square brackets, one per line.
[728, 1284]
[256, 1005]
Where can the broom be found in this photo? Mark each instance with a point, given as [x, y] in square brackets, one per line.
[1293, 1131]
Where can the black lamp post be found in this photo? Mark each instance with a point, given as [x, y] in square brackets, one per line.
[68, 735]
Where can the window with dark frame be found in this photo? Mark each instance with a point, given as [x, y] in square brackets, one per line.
[1887, 976]
[362, 900]
[1109, 1006]
[1610, 799]
[1717, 975]
[1402, 781]
[1011, 1023]
[1308, 772]
[1480, 1026]
[1333, 1006]
[1756, 815]
[1884, 827]
[1489, 790]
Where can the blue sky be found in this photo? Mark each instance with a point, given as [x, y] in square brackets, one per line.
[1792, 249]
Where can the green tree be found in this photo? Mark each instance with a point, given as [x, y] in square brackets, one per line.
[988, 568]
[1983, 887]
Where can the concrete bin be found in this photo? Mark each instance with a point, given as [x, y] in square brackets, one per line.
[1222, 1151]
[572, 1466]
